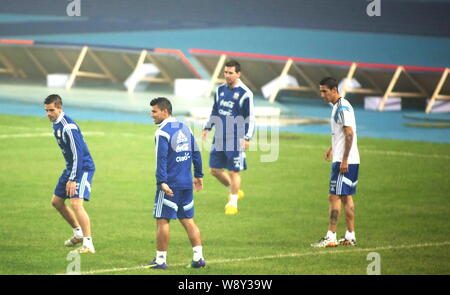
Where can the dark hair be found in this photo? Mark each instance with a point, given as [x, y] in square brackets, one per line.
[53, 98]
[235, 64]
[162, 103]
[330, 82]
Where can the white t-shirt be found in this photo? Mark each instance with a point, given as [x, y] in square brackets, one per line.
[343, 115]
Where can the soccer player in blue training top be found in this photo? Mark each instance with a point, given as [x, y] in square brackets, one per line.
[75, 181]
[176, 151]
[344, 171]
[233, 118]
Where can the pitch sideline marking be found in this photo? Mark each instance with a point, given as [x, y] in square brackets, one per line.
[88, 133]
[382, 152]
[253, 258]
[45, 134]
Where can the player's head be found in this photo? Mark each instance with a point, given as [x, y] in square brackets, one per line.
[53, 106]
[232, 72]
[329, 89]
[161, 109]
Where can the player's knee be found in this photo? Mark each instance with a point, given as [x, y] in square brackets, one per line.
[215, 171]
[188, 222]
[333, 198]
[350, 209]
[77, 205]
[56, 203]
[232, 172]
[347, 201]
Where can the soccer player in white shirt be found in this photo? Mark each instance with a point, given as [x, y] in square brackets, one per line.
[345, 158]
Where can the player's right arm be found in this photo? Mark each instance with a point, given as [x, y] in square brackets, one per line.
[162, 151]
[204, 134]
[166, 189]
[328, 155]
[212, 118]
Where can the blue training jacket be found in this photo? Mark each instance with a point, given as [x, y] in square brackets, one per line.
[73, 147]
[176, 151]
[232, 114]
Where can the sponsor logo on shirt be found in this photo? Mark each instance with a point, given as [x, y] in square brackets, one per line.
[182, 143]
[225, 113]
[181, 137]
[182, 147]
[183, 158]
[228, 104]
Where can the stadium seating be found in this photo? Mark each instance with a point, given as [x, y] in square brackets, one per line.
[28, 59]
[383, 80]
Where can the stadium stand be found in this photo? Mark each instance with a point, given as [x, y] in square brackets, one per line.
[384, 80]
[34, 60]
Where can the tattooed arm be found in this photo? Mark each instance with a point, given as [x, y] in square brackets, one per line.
[348, 131]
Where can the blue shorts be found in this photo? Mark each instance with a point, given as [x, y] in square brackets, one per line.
[83, 182]
[231, 160]
[180, 205]
[343, 184]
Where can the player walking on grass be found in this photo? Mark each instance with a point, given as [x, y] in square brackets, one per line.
[75, 181]
[176, 151]
[233, 118]
[345, 158]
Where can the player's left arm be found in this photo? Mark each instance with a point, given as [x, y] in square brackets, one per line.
[348, 136]
[198, 184]
[249, 117]
[197, 162]
[73, 137]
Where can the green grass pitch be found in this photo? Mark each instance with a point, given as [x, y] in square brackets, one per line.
[402, 207]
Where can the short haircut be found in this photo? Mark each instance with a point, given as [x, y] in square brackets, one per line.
[162, 103]
[53, 98]
[330, 82]
[235, 64]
